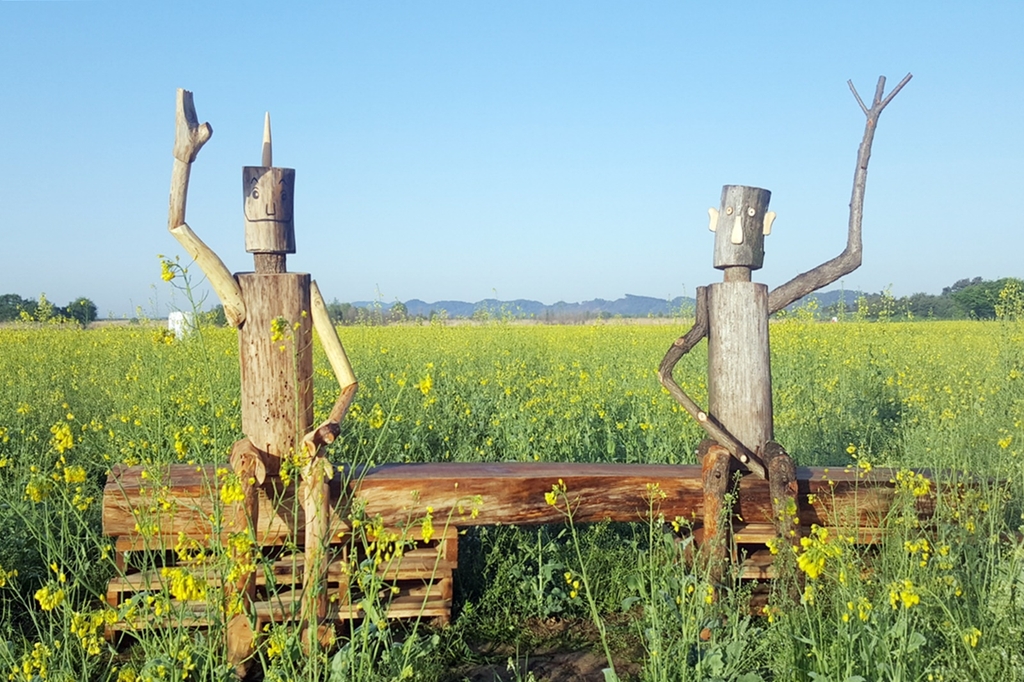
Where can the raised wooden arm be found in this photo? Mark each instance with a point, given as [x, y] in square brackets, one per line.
[850, 259]
[189, 138]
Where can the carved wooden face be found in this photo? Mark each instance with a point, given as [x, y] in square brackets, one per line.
[740, 226]
[269, 206]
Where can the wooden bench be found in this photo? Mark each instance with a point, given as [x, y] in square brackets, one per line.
[153, 510]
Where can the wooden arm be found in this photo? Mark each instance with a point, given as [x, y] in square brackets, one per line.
[189, 138]
[850, 259]
[719, 433]
[223, 282]
[324, 328]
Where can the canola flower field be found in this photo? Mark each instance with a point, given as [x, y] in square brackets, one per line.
[944, 602]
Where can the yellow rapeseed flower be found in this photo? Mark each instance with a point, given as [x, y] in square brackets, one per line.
[62, 440]
[48, 597]
[74, 474]
[183, 585]
[5, 576]
[971, 637]
[427, 525]
[816, 549]
[903, 592]
[166, 269]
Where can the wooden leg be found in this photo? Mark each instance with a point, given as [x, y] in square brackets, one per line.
[782, 487]
[247, 463]
[316, 505]
[715, 478]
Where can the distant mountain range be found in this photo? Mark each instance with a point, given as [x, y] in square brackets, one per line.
[628, 306]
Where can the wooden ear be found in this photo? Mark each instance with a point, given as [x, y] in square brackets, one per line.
[769, 218]
[713, 214]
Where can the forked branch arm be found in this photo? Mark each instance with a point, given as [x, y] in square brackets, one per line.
[850, 259]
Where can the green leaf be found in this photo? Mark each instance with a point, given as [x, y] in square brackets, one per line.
[917, 640]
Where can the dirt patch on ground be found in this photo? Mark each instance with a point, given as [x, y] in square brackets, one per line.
[564, 666]
[571, 653]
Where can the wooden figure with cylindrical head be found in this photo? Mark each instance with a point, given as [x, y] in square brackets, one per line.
[276, 313]
[733, 315]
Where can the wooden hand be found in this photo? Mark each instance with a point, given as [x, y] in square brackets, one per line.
[189, 136]
[320, 436]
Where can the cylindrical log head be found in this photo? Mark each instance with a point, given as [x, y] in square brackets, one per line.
[269, 209]
[740, 226]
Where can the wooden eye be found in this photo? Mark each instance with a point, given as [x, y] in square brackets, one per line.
[751, 211]
[728, 210]
[255, 193]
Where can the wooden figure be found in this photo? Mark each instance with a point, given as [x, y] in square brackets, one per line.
[276, 313]
[733, 315]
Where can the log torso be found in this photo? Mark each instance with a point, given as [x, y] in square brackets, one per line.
[276, 358]
[739, 367]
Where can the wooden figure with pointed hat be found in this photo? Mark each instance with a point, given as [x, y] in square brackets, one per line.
[276, 313]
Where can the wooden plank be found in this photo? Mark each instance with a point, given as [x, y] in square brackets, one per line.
[759, 565]
[501, 493]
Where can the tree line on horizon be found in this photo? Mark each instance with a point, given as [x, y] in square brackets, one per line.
[13, 307]
[966, 299]
[969, 298]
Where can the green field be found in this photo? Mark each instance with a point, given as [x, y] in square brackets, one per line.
[938, 603]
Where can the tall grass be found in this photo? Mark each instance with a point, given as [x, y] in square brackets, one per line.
[941, 602]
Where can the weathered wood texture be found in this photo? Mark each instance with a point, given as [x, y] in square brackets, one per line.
[422, 575]
[269, 263]
[183, 498]
[314, 491]
[277, 385]
[715, 479]
[189, 138]
[739, 366]
[220, 278]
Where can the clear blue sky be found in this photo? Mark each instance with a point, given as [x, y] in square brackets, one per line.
[549, 151]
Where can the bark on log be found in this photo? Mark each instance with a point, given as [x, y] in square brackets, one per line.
[244, 518]
[715, 479]
[509, 493]
[710, 424]
[782, 487]
[740, 228]
[316, 506]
